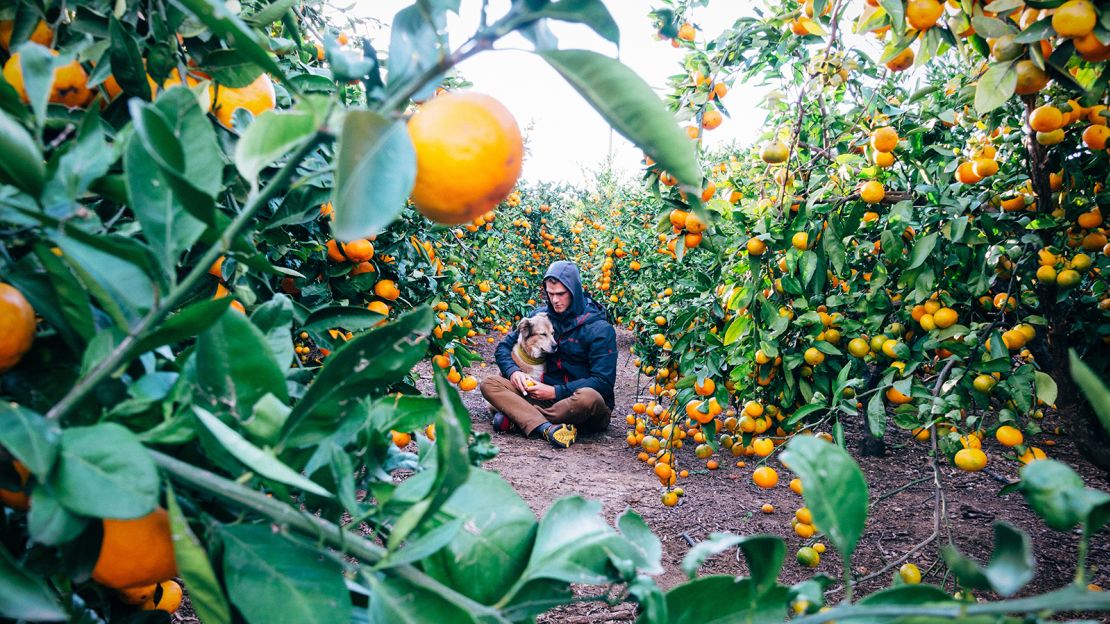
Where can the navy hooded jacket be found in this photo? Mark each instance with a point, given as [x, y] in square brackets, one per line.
[586, 354]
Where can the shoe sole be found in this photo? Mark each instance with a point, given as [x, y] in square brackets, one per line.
[565, 436]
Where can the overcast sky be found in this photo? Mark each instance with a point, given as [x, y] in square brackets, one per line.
[564, 133]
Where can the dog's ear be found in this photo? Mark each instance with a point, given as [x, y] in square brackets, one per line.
[524, 327]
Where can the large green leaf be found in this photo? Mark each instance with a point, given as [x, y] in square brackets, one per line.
[277, 579]
[1057, 494]
[22, 165]
[485, 559]
[186, 324]
[374, 174]
[120, 272]
[1093, 388]
[127, 61]
[764, 554]
[269, 137]
[37, 63]
[592, 13]
[398, 600]
[724, 599]
[275, 319]
[104, 472]
[627, 102]
[637, 533]
[219, 17]
[1011, 565]
[25, 595]
[833, 487]
[205, 594]
[903, 595]
[363, 364]
[413, 49]
[50, 523]
[29, 437]
[235, 366]
[261, 462]
[995, 86]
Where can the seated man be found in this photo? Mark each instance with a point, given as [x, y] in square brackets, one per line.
[576, 386]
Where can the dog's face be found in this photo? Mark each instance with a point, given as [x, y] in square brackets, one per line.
[537, 336]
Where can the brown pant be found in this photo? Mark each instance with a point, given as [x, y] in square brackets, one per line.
[585, 409]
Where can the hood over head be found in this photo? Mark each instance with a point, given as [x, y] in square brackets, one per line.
[567, 274]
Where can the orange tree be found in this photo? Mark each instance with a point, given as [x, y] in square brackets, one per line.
[878, 233]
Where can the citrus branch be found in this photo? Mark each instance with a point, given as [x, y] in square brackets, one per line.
[129, 346]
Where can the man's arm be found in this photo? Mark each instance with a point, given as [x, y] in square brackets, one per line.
[603, 366]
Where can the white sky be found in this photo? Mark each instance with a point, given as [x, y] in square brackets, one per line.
[566, 136]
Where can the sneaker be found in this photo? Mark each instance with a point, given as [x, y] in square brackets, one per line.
[561, 436]
[501, 423]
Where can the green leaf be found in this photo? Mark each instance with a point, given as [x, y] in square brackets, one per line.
[272, 135]
[765, 555]
[633, 109]
[424, 546]
[186, 324]
[398, 600]
[275, 319]
[902, 595]
[876, 415]
[1046, 387]
[834, 490]
[38, 63]
[639, 535]
[1092, 387]
[452, 461]
[1051, 487]
[1011, 565]
[897, 13]
[205, 594]
[48, 522]
[22, 165]
[801, 413]
[722, 598]
[229, 67]
[29, 437]
[483, 561]
[104, 472]
[269, 13]
[592, 13]
[120, 272]
[255, 458]
[413, 49]
[127, 61]
[236, 383]
[367, 362]
[374, 174]
[218, 17]
[922, 250]
[24, 595]
[996, 85]
[277, 579]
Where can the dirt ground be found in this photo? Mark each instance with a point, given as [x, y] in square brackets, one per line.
[604, 468]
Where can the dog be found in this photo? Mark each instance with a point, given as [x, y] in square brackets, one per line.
[534, 342]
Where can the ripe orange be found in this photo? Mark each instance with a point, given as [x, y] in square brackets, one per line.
[796, 486]
[468, 383]
[357, 251]
[379, 307]
[136, 552]
[711, 119]
[896, 397]
[1046, 118]
[1075, 18]
[686, 32]
[910, 574]
[387, 289]
[901, 62]
[965, 173]
[884, 139]
[70, 87]
[872, 192]
[17, 326]
[17, 500]
[971, 459]
[257, 97]
[756, 247]
[1032, 454]
[706, 388]
[1009, 436]
[884, 159]
[42, 34]
[804, 531]
[167, 598]
[1030, 78]
[400, 439]
[923, 14]
[945, 318]
[765, 477]
[1095, 137]
[767, 508]
[468, 156]
[985, 167]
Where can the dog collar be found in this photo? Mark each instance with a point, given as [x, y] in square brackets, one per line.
[527, 358]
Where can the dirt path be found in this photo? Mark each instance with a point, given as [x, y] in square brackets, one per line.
[603, 468]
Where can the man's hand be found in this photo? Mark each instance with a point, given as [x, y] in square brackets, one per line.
[542, 392]
[521, 380]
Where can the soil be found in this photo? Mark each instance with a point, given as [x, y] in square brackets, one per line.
[602, 467]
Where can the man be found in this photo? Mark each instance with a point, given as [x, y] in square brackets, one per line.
[576, 388]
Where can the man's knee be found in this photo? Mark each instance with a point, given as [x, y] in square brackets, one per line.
[590, 399]
[493, 384]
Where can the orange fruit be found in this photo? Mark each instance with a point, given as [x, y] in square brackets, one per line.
[136, 552]
[167, 598]
[42, 34]
[774, 153]
[896, 397]
[971, 459]
[901, 62]
[945, 317]
[17, 500]
[686, 32]
[1046, 118]
[765, 477]
[705, 388]
[468, 383]
[400, 439]
[1030, 78]
[70, 87]
[923, 14]
[468, 156]
[985, 167]
[357, 251]
[872, 192]
[711, 119]
[1075, 18]
[756, 247]
[17, 326]
[884, 139]
[1095, 137]
[1009, 436]
[257, 97]
[884, 159]
[965, 173]
[796, 486]
[910, 574]
[1032, 454]
[387, 289]
[379, 307]
[767, 508]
